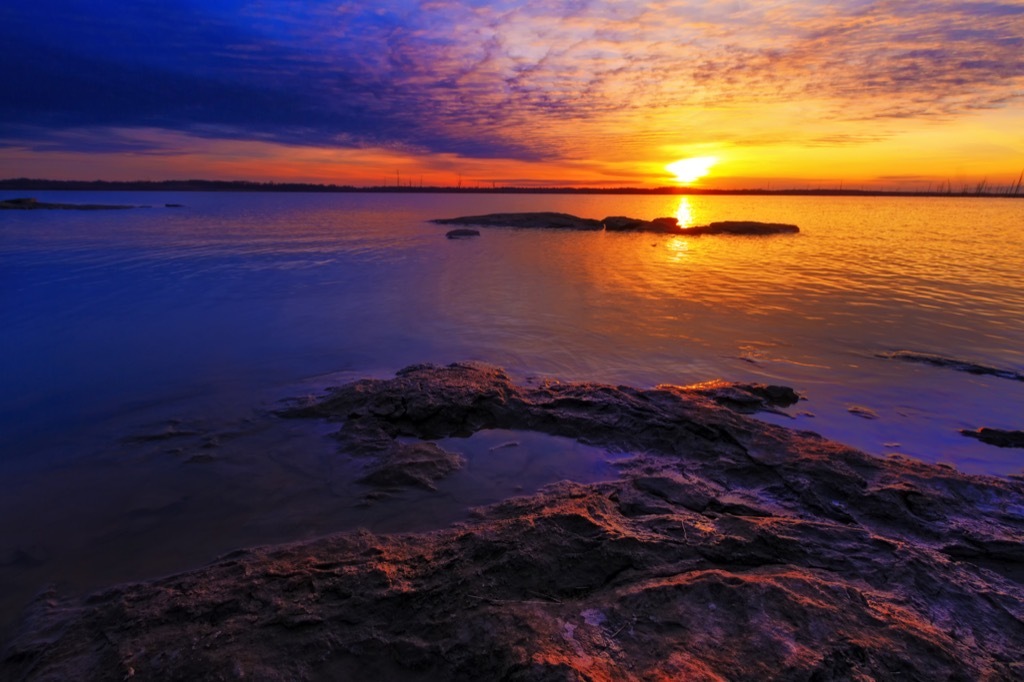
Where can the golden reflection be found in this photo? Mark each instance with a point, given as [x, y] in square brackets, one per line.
[678, 249]
[685, 212]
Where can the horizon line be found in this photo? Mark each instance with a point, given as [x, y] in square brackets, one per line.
[981, 189]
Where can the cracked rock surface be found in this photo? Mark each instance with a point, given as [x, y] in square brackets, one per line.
[727, 549]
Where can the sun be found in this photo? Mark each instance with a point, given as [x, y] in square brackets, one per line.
[691, 169]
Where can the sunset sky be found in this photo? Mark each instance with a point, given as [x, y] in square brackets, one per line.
[902, 94]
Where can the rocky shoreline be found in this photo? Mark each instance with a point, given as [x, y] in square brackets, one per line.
[727, 548]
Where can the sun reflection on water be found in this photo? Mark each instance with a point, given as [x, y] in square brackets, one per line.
[678, 249]
[685, 212]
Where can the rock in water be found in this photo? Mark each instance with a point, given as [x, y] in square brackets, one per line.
[862, 411]
[566, 221]
[626, 224]
[562, 221]
[462, 233]
[412, 465]
[952, 363]
[1001, 438]
[743, 227]
[728, 548]
[620, 223]
[745, 398]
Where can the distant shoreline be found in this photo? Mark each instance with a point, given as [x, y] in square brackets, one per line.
[28, 184]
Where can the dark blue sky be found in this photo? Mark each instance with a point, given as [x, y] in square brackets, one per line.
[216, 69]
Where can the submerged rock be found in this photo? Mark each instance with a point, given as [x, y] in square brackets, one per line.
[727, 548]
[862, 411]
[952, 363]
[999, 437]
[462, 233]
[563, 221]
[412, 464]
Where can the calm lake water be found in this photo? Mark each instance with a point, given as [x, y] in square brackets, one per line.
[141, 348]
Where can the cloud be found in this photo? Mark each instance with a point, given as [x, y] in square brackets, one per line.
[531, 80]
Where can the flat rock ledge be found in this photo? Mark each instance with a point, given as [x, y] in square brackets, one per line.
[727, 549]
[565, 221]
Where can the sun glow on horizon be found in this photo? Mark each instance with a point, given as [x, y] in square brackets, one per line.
[691, 169]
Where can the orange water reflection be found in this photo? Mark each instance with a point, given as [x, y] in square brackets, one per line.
[685, 212]
[678, 249]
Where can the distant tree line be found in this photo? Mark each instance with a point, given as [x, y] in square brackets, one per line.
[981, 189]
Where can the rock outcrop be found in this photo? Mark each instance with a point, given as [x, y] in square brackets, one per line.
[727, 548]
[566, 221]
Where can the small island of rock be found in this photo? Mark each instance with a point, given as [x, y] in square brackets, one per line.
[566, 221]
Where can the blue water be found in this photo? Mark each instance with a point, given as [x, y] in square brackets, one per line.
[229, 300]
[115, 324]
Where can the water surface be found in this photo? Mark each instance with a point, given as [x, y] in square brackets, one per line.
[189, 324]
